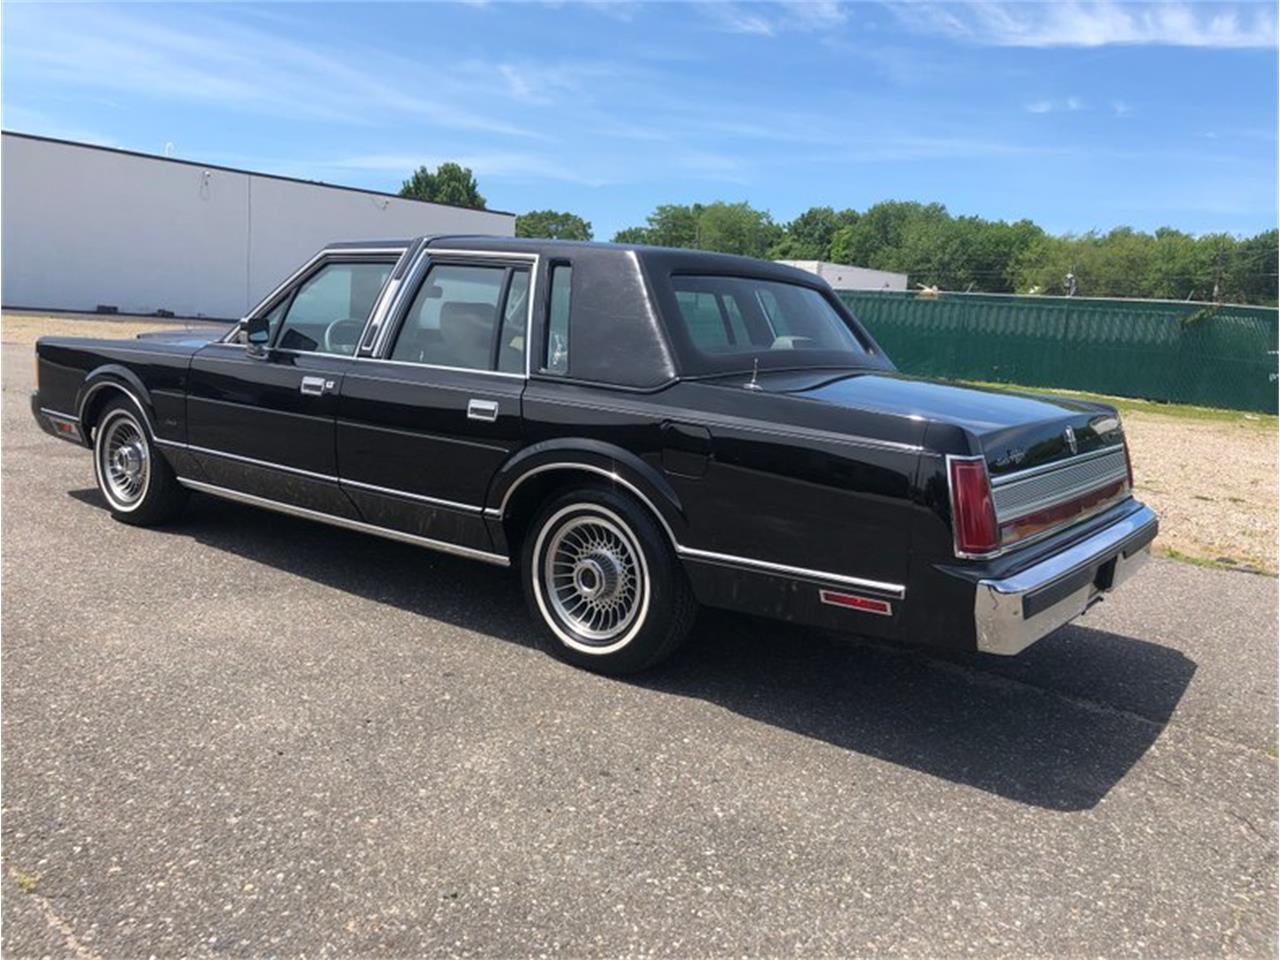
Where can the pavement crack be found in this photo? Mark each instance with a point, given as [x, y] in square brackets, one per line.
[51, 916]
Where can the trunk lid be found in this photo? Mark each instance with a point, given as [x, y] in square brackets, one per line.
[1017, 432]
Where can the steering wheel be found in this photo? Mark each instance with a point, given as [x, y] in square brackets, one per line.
[343, 335]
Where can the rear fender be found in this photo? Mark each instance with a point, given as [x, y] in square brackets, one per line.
[526, 479]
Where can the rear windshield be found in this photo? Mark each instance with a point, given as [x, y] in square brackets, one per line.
[729, 321]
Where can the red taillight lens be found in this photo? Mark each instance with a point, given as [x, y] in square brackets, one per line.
[973, 515]
[1128, 462]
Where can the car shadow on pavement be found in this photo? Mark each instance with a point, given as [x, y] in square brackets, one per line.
[1056, 727]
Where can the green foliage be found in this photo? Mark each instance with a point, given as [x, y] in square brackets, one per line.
[725, 227]
[553, 225]
[449, 183]
[808, 236]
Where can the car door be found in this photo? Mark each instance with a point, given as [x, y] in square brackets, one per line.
[261, 421]
[425, 423]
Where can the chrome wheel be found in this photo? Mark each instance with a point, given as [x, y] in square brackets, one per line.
[595, 578]
[124, 463]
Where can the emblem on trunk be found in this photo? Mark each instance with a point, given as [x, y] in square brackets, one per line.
[1070, 436]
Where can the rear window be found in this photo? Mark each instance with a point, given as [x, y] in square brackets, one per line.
[741, 317]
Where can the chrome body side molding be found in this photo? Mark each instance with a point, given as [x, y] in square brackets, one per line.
[359, 526]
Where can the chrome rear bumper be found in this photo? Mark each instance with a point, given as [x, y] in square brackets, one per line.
[1012, 613]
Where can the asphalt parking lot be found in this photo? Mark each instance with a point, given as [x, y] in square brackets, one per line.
[250, 735]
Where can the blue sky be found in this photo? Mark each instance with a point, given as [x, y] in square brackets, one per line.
[1078, 115]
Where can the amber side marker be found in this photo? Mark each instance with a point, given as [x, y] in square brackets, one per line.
[855, 602]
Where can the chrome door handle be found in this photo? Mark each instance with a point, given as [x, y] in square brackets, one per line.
[486, 410]
[316, 386]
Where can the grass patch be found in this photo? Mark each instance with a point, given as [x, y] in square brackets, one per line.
[1219, 563]
[26, 881]
[1180, 411]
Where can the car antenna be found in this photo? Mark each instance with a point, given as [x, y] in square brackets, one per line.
[753, 383]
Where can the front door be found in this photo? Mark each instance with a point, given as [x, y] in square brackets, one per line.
[264, 423]
[423, 427]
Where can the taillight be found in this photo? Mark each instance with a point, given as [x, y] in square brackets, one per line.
[973, 515]
[1128, 462]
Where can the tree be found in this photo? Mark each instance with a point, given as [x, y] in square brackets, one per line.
[553, 225]
[450, 183]
[632, 235]
[723, 227]
[808, 236]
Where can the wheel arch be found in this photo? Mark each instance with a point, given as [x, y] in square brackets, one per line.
[105, 382]
[538, 472]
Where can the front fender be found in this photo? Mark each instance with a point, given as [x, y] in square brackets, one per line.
[108, 379]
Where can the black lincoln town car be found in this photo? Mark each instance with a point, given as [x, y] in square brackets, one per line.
[639, 430]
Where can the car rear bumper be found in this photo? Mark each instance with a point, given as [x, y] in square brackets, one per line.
[1013, 612]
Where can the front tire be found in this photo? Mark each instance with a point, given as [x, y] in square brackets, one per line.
[602, 579]
[136, 481]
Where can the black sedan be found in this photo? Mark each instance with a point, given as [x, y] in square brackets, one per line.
[640, 430]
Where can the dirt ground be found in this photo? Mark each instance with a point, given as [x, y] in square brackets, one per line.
[1213, 483]
[1212, 479]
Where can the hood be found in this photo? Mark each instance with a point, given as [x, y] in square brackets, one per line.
[196, 335]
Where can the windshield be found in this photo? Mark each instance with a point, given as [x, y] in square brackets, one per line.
[731, 321]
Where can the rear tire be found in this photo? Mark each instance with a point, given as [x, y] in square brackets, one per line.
[601, 578]
[134, 478]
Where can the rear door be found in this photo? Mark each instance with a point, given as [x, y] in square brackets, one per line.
[425, 423]
[263, 423]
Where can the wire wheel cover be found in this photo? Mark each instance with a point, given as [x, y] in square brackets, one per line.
[124, 462]
[593, 578]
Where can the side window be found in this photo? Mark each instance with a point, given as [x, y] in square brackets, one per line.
[556, 358]
[713, 320]
[514, 315]
[453, 318]
[330, 309]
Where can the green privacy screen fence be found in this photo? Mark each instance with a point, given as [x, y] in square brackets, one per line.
[1212, 355]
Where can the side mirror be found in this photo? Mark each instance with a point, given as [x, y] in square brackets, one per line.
[257, 333]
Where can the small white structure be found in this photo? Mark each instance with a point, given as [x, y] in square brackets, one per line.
[85, 226]
[842, 277]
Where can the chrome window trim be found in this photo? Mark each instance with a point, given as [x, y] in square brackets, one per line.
[437, 366]
[413, 278]
[1031, 472]
[895, 590]
[359, 526]
[301, 272]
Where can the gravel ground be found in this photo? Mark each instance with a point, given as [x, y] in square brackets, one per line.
[250, 735]
[26, 328]
[1213, 484]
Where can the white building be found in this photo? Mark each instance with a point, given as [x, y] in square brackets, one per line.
[842, 277]
[84, 226]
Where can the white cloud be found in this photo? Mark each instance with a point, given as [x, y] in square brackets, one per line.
[1121, 109]
[768, 19]
[1095, 23]
[1070, 105]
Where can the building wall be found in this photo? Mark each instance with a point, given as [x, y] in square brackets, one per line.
[83, 226]
[842, 277]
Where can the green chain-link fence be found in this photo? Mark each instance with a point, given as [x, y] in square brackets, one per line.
[1212, 355]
